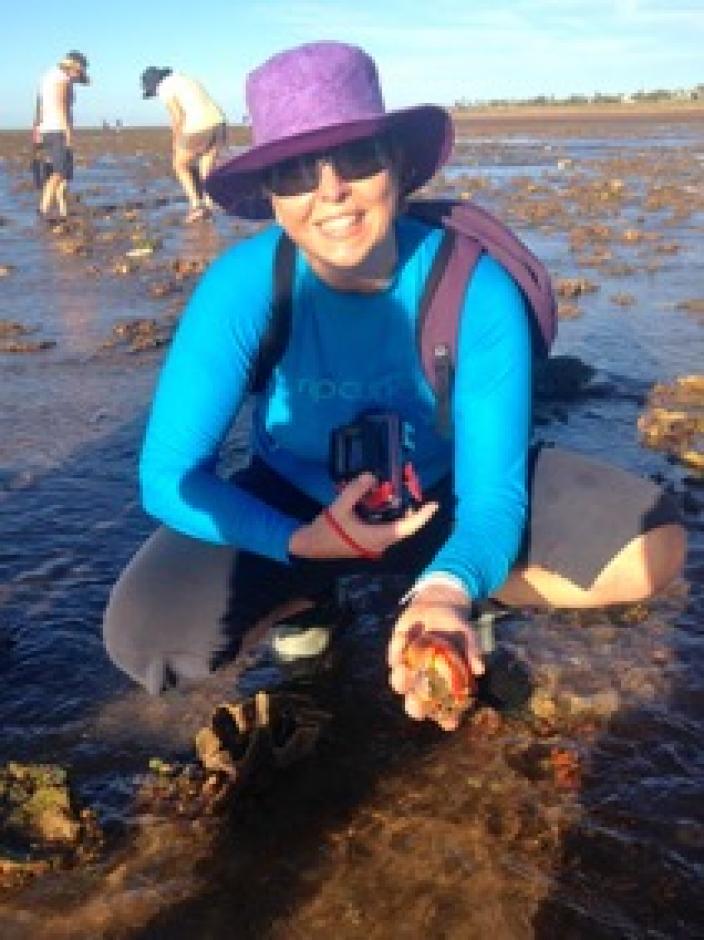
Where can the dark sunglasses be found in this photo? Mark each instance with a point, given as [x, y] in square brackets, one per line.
[355, 160]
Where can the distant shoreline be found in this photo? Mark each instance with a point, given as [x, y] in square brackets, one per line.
[667, 111]
[670, 112]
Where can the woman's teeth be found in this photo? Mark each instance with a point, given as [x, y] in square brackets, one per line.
[340, 225]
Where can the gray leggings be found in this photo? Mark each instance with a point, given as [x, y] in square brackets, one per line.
[182, 607]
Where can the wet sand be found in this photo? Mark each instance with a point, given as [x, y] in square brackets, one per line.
[578, 817]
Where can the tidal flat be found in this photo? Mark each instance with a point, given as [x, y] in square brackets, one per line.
[578, 816]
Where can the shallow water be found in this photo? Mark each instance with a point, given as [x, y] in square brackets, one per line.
[394, 829]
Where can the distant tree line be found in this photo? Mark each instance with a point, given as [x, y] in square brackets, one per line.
[657, 94]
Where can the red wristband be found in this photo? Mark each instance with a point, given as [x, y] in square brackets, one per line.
[337, 528]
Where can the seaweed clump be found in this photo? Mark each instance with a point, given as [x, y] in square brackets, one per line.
[674, 420]
[40, 826]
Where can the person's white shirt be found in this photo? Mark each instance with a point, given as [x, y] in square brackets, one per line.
[52, 94]
[199, 110]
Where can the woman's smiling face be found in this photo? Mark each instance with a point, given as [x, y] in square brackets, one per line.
[344, 227]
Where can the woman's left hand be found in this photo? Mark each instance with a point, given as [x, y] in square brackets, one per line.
[339, 531]
[443, 612]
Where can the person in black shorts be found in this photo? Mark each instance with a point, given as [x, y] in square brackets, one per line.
[53, 123]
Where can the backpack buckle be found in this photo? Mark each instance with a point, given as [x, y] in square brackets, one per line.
[442, 367]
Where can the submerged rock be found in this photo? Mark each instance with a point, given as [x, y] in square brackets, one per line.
[600, 704]
[37, 805]
[13, 338]
[622, 299]
[542, 705]
[566, 766]
[143, 244]
[13, 328]
[695, 306]
[40, 826]
[566, 310]
[140, 334]
[26, 346]
[571, 287]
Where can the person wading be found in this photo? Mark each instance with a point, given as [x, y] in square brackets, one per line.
[198, 131]
[54, 122]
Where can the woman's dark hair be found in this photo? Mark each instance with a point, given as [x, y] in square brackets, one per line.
[399, 162]
[151, 77]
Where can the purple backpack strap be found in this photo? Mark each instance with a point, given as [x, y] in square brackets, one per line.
[531, 275]
[472, 231]
[529, 272]
[439, 318]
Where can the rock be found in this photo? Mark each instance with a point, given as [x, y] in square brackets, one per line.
[685, 390]
[637, 682]
[40, 828]
[691, 306]
[13, 328]
[542, 705]
[12, 338]
[164, 288]
[571, 287]
[668, 248]
[188, 267]
[622, 300]
[566, 767]
[159, 766]
[140, 334]
[585, 237]
[632, 236]
[621, 269]
[568, 311]
[690, 834]
[661, 655]
[606, 703]
[674, 420]
[14, 873]
[143, 244]
[122, 268]
[37, 805]
[12, 346]
[485, 722]
[602, 704]
[141, 251]
[562, 378]
[530, 760]
[74, 246]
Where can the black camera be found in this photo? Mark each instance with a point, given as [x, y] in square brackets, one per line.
[377, 442]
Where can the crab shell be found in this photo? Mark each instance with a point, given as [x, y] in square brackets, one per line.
[442, 675]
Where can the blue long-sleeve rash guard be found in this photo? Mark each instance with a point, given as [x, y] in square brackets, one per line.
[347, 352]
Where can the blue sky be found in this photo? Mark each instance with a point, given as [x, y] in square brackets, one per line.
[436, 50]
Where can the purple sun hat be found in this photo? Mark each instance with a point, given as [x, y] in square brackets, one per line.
[316, 96]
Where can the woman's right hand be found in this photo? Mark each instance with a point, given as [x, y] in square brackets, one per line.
[320, 540]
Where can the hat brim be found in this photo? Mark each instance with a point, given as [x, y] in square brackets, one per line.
[424, 133]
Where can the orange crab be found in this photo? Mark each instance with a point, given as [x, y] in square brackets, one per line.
[442, 680]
